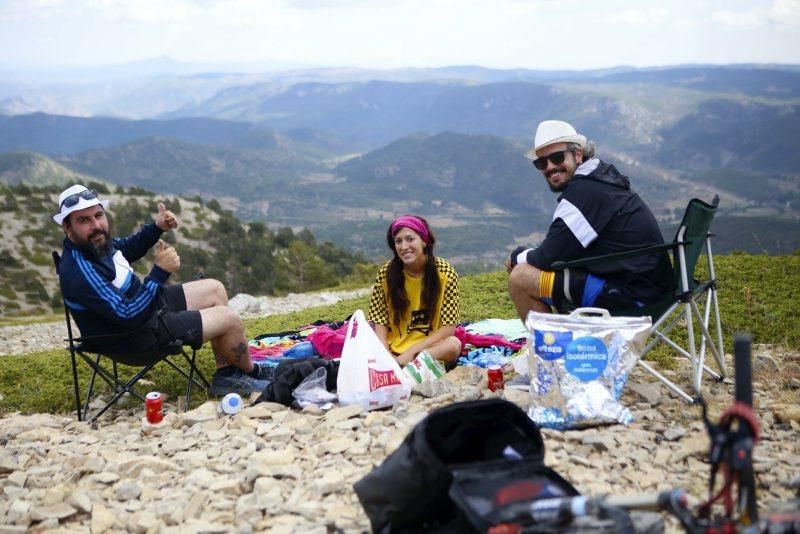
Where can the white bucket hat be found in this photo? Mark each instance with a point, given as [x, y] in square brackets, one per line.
[550, 132]
[73, 194]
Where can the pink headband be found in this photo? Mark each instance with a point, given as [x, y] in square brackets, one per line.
[412, 223]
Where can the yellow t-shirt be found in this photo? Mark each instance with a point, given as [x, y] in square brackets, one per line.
[417, 323]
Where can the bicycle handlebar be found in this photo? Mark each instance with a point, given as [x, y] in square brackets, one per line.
[743, 369]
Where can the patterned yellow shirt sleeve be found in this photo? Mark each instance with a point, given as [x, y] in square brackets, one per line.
[450, 307]
[378, 307]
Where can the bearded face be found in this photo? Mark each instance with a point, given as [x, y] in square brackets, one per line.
[88, 229]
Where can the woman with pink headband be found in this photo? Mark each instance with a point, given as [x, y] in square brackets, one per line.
[414, 300]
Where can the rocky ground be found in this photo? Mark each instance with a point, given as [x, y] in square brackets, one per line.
[269, 468]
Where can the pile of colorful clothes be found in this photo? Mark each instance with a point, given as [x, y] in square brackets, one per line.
[483, 343]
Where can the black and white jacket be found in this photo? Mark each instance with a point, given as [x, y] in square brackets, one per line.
[598, 214]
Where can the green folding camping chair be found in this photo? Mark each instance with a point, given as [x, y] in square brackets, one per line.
[682, 307]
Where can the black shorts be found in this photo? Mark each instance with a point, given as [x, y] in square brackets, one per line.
[170, 322]
[574, 288]
[176, 322]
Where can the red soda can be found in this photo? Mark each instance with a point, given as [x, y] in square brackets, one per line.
[154, 407]
[494, 378]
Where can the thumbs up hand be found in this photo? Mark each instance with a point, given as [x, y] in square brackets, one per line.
[165, 218]
[167, 258]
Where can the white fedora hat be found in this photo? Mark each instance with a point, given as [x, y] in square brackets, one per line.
[550, 132]
[75, 198]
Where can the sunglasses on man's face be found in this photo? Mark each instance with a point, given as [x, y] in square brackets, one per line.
[556, 158]
[71, 200]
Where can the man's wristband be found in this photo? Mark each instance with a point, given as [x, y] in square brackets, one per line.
[519, 255]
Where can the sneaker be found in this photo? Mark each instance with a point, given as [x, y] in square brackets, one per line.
[265, 372]
[236, 381]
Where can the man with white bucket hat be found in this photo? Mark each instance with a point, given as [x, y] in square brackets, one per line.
[597, 214]
[106, 297]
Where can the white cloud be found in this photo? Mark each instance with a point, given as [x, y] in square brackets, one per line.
[785, 12]
[144, 11]
[638, 16]
[781, 13]
[741, 19]
[335, 4]
[17, 10]
[685, 23]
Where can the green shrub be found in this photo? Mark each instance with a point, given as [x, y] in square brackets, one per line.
[11, 306]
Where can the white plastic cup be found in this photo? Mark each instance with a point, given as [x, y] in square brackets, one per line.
[231, 403]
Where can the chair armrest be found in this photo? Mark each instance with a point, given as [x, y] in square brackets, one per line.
[109, 337]
[103, 337]
[560, 265]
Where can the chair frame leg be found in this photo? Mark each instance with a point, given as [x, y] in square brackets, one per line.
[691, 313]
[715, 303]
[666, 381]
[75, 383]
[127, 387]
[194, 378]
[191, 380]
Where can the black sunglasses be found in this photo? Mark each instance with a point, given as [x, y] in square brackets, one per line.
[71, 200]
[556, 158]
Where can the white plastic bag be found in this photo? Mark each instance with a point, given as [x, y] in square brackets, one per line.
[368, 375]
[312, 389]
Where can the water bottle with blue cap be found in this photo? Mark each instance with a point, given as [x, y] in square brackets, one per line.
[231, 403]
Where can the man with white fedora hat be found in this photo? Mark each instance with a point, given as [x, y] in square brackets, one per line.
[106, 297]
[597, 213]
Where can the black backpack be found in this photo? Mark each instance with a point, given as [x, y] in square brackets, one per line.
[464, 467]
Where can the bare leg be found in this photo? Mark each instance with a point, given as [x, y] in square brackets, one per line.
[446, 350]
[202, 294]
[523, 288]
[223, 327]
[205, 294]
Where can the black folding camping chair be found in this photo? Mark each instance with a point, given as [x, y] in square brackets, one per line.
[87, 349]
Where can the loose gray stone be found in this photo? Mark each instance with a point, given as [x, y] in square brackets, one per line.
[102, 520]
[600, 442]
[19, 512]
[80, 500]
[435, 388]
[650, 392]
[55, 511]
[127, 491]
[674, 433]
[764, 363]
[340, 414]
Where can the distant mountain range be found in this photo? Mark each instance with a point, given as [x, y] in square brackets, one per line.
[64, 135]
[147, 88]
[342, 152]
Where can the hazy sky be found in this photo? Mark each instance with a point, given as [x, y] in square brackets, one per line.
[538, 34]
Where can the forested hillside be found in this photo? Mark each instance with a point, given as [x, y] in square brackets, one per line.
[211, 241]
